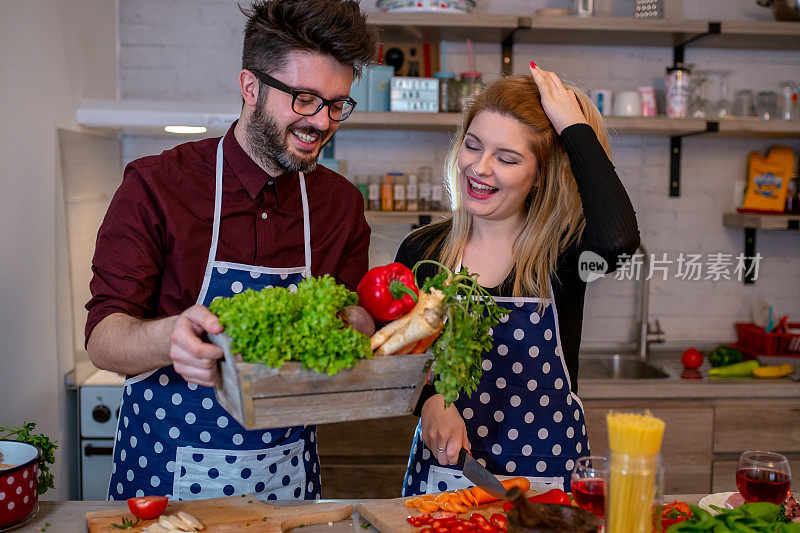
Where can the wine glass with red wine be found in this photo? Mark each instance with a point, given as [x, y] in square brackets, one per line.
[588, 482]
[763, 477]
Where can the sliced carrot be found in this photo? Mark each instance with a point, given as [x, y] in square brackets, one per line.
[428, 497]
[464, 499]
[484, 497]
[471, 497]
[440, 498]
[429, 507]
[409, 503]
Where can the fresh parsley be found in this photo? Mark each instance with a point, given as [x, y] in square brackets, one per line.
[25, 433]
[469, 312]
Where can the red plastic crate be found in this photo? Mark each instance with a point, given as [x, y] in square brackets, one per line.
[753, 340]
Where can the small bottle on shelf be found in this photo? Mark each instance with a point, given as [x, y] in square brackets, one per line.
[374, 193]
[412, 194]
[399, 192]
[425, 175]
[387, 200]
[437, 193]
[363, 187]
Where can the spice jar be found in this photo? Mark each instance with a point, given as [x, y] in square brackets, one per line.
[399, 188]
[374, 193]
[387, 196]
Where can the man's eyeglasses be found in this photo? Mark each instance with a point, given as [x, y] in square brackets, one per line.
[308, 104]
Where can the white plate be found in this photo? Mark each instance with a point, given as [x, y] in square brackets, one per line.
[719, 499]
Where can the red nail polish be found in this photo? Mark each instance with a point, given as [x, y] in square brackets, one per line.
[533, 65]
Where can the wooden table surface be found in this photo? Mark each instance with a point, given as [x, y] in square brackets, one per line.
[70, 516]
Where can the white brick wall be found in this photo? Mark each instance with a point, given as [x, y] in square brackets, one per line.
[190, 49]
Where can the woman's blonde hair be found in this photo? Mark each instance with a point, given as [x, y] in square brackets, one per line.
[555, 216]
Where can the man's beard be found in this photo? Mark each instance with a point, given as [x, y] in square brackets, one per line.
[268, 144]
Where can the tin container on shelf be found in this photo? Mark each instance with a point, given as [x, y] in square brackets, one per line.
[677, 91]
[259, 397]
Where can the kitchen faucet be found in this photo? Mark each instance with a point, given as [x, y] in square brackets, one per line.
[647, 334]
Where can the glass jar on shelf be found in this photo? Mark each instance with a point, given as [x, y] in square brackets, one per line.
[387, 194]
[425, 176]
[399, 191]
[412, 193]
[471, 84]
[374, 193]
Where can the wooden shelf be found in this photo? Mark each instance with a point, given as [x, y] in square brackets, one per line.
[755, 127]
[625, 31]
[403, 217]
[756, 35]
[416, 27]
[401, 120]
[761, 221]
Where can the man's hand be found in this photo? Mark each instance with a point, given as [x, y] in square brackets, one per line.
[443, 430]
[192, 358]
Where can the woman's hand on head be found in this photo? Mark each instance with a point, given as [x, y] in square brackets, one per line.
[443, 429]
[560, 103]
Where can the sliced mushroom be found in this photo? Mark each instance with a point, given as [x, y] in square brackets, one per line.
[190, 520]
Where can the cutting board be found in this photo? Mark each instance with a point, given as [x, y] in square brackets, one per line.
[389, 516]
[232, 514]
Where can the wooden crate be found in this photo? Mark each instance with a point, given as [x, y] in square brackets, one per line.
[259, 397]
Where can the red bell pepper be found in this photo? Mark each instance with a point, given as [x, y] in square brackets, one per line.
[388, 292]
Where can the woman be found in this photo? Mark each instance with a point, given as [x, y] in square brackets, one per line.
[532, 187]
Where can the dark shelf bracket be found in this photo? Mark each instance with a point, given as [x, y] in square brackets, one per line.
[675, 148]
[749, 254]
[679, 51]
[507, 53]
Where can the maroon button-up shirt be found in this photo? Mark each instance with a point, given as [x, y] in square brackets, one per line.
[153, 245]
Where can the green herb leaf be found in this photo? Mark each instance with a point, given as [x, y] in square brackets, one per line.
[24, 433]
[470, 312]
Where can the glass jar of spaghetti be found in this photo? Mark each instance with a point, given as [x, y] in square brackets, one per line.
[635, 494]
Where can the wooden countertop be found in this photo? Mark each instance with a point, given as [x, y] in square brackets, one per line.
[70, 516]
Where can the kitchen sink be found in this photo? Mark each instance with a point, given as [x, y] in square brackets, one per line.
[617, 367]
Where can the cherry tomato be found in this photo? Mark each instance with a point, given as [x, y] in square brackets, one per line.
[507, 507]
[426, 530]
[424, 519]
[499, 521]
[441, 529]
[478, 519]
[147, 507]
[692, 359]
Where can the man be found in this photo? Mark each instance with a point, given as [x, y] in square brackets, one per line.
[212, 218]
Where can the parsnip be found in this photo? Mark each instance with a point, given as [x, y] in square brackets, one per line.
[431, 300]
[416, 328]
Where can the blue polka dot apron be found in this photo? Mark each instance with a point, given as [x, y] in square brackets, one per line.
[523, 419]
[174, 439]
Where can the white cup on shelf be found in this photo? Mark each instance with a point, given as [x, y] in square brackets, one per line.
[627, 104]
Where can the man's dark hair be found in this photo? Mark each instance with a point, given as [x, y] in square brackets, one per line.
[331, 27]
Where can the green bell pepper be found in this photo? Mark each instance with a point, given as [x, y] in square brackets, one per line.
[724, 356]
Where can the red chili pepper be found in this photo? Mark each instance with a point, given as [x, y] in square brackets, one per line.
[551, 496]
[388, 292]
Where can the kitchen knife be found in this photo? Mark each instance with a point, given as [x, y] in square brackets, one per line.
[477, 473]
